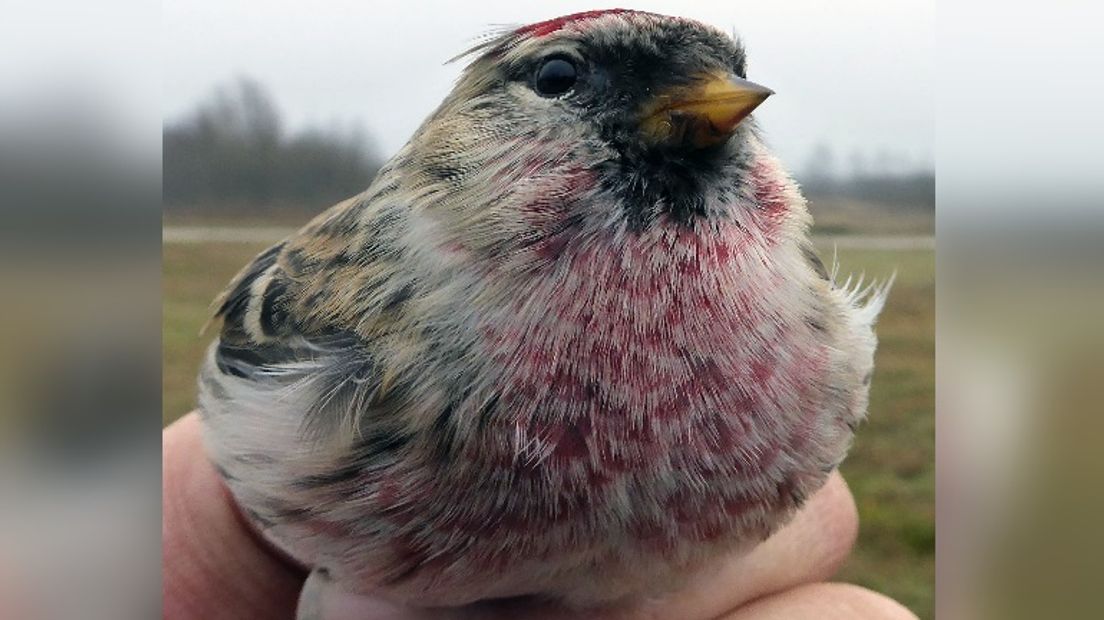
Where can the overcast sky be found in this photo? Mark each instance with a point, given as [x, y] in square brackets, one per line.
[855, 74]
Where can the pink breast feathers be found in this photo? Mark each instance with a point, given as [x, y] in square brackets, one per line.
[667, 345]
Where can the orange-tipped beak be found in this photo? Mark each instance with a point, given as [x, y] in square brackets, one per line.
[702, 114]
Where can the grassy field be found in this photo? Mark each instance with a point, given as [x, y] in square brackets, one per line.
[891, 468]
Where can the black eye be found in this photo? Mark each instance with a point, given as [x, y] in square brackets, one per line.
[555, 77]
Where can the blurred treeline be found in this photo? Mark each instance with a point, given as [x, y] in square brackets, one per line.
[233, 155]
[887, 179]
[914, 190]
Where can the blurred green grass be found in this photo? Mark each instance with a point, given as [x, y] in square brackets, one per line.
[890, 469]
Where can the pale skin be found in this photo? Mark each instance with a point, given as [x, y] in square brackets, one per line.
[214, 567]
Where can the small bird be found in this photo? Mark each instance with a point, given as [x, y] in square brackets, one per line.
[571, 343]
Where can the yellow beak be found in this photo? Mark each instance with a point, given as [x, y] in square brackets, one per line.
[701, 114]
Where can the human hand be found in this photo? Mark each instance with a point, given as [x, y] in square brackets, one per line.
[214, 567]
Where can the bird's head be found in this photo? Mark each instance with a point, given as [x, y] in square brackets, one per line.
[617, 116]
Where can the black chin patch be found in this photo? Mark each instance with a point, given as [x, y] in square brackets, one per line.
[655, 183]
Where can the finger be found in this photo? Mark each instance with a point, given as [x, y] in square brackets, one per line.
[212, 565]
[811, 548]
[824, 601]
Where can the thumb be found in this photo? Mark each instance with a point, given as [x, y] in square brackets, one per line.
[213, 567]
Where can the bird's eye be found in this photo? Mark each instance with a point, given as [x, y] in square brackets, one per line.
[555, 77]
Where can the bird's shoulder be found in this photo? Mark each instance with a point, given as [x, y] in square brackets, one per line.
[338, 281]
